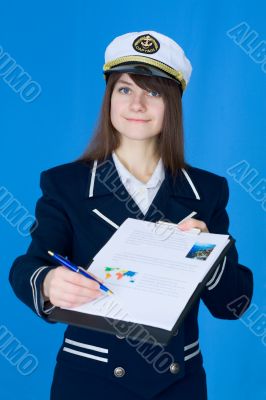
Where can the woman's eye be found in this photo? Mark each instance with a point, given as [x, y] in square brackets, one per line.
[124, 90]
[153, 93]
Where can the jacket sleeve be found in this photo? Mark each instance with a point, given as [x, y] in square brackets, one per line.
[229, 291]
[51, 231]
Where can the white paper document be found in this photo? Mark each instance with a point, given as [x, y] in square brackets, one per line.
[153, 271]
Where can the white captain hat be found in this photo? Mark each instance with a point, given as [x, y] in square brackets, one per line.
[148, 53]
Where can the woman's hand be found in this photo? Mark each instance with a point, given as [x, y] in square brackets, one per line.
[65, 288]
[193, 223]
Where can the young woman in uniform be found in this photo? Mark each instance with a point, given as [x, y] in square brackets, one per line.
[134, 167]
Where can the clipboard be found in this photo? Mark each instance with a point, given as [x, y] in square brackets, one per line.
[129, 329]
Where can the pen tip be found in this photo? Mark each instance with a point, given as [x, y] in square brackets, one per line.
[50, 252]
[110, 292]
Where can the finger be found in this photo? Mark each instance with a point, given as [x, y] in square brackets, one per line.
[76, 304]
[77, 300]
[193, 223]
[94, 276]
[70, 304]
[64, 288]
[201, 225]
[79, 291]
[59, 297]
[78, 279]
[189, 223]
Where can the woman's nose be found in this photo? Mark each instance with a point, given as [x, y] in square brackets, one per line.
[138, 102]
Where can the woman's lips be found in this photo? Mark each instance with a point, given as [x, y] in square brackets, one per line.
[136, 120]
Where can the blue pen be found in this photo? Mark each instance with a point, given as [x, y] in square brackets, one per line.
[75, 268]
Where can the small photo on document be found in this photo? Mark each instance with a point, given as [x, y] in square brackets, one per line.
[200, 251]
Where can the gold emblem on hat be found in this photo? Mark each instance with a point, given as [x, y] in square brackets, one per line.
[146, 44]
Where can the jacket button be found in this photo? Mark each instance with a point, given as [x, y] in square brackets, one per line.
[119, 372]
[174, 368]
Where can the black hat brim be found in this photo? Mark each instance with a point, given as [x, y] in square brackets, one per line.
[141, 69]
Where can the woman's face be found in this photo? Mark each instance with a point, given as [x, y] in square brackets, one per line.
[136, 113]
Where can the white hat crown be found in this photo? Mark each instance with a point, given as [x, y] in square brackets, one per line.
[149, 47]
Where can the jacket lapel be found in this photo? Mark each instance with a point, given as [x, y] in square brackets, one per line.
[108, 198]
[171, 200]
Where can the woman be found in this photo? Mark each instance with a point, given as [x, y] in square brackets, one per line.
[134, 167]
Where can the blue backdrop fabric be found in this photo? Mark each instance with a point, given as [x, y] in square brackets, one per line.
[47, 119]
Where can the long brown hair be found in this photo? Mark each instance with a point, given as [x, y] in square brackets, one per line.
[171, 139]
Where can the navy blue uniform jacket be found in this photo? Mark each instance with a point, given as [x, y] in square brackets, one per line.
[81, 207]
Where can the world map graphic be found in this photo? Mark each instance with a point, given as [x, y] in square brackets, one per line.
[119, 273]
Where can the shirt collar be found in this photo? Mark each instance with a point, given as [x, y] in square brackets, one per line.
[125, 176]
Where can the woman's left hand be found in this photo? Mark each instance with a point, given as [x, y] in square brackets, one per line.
[193, 223]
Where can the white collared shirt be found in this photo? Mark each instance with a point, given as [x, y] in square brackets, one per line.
[142, 193]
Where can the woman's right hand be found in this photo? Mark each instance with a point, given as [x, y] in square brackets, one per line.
[64, 288]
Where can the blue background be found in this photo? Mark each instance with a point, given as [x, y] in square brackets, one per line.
[61, 45]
